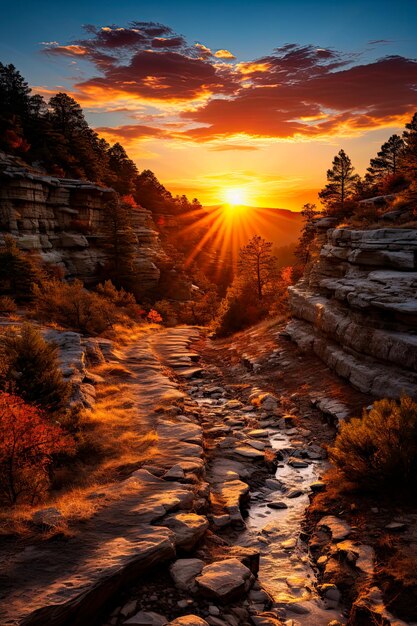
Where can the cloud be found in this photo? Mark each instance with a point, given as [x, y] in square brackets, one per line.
[224, 54]
[228, 146]
[130, 132]
[298, 92]
[309, 92]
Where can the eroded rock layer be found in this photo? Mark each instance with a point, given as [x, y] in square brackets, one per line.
[356, 307]
[64, 220]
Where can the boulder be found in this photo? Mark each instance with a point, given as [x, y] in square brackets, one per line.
[225, 580]
[188, 528]
[147, 618]
[184, 573]
[189, 620]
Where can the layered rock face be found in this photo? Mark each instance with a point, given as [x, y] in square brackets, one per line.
[64, 221]
[356, 307]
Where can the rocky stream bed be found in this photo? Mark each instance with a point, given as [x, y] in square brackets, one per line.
[211, 531]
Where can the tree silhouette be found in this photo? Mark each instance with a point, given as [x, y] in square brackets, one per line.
[409, 160]
[342, 183]
[256, 263]
[387, 160]
[302, 251]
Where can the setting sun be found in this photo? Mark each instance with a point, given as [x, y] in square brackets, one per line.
[234, 196]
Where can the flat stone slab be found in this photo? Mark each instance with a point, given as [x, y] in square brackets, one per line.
[338, 528]
[188, 528]
[225, 580]
[184, 573]
[69, 582]
[189, 620]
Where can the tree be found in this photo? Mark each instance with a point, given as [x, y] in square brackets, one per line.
[342, 182]
[387, 160]
[409, 157]
[32, 369]
[256, 263]
[28, 441]
[123, 169]
[302, 251]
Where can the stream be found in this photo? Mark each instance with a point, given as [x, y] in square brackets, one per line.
[285, 573]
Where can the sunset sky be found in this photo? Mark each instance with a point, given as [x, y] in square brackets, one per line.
[253, 96]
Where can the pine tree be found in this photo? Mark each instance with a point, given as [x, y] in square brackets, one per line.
[123, 169]
[302, 251]
[409, 157]
[256, 263]
[32, 368]
[342, 183]
[387, 160]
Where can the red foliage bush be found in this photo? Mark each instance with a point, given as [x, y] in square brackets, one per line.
[28, 441]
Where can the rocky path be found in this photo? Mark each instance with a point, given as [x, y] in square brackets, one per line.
[210, 530]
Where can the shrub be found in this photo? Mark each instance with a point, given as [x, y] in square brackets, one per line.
[239, 309]
[379, 451]
[7, 305]
[18, 270]
[31, 369]
[153, 317]
[28, 442]
[71, 305]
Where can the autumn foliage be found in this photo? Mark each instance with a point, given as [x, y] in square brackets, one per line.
[28, 441]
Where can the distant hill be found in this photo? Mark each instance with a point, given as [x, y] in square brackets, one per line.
[281, 226]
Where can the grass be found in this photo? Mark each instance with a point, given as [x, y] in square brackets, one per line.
[115, 439]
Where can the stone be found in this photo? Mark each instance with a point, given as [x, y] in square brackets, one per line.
[147, 618]
[297, 463]
[249, 452]
[50, 517]
[188, 528]
[277, 504]
[338, 528]
[184, 573]
[129, 608]
[189, 620]
[175, 473]
[225, 580]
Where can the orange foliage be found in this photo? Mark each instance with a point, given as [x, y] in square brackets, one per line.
[27, 442]
[154, 317]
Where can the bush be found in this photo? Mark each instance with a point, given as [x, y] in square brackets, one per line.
[72, 306]
[239, 309]
[379, 451]
[28, 442]
[18, 270]
[7, 305]
[30, 368]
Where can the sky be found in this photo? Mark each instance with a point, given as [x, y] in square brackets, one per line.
[227, 99]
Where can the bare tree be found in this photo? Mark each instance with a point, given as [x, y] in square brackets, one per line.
[256, 263]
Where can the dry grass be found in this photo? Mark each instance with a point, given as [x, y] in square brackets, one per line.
[115, 440]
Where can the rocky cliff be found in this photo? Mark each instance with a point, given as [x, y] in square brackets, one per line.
[64, 221]
[356, 307]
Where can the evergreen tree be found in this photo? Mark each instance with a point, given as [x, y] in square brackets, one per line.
[387, 160]
[302, 251]
[123, 170]
[32, 368]
[341, 185]
[409, 157]
[256, 263]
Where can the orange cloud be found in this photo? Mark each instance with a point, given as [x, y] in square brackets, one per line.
[224, 54]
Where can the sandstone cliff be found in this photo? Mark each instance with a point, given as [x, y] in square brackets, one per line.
[356, 307]
[63, 219]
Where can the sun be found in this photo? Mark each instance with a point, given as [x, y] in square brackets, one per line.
[234, 196]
